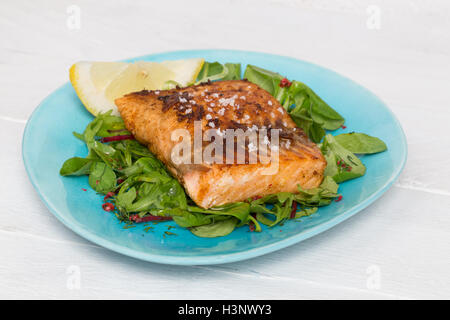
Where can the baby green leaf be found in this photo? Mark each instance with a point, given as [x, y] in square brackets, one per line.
[234, 71]
[361, 143]
[342, 164]
[102, 178]
[216, 229]
[212, 71]
[239, 210]
[310, 113]
[75, 167]
[266, 79]
[306, 212]
[125, 199]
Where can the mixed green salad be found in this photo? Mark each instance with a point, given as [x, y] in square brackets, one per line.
[137, 187]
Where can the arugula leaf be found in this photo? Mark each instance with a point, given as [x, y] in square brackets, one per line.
[125, 199]
[360, 143]
[90, 133]
[264, 220]
[78, 136]
[342, 164]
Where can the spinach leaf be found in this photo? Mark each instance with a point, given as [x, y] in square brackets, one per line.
[280, 197]
[342, 164]
[360, 143]
[310, 112]
[216, 71]
[317, 197]
[212, 71]
[306, 212]
[216, 229]
[192, 219]
[102, 178]
[319, 110]
[234, 71]
[143, 165]
[76, 167]
[283, 212]
[158, 196]
[266, 79]
[188, 219]
[111, 125]
[239, 210]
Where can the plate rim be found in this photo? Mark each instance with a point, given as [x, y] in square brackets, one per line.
[216, 258]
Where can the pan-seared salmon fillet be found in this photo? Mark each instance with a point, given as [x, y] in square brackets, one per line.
[152, 117]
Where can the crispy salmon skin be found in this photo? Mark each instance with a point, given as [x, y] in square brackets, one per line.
[152, 117]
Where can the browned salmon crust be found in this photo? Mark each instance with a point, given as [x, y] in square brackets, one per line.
[152, 116]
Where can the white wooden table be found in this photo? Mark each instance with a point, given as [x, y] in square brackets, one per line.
[399, 247]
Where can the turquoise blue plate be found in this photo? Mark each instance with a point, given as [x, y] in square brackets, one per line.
[48, 142]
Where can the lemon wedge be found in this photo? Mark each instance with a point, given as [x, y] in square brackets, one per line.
[98, 84]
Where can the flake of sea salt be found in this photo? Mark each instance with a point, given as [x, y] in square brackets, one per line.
[227, 101]
[288, 144]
